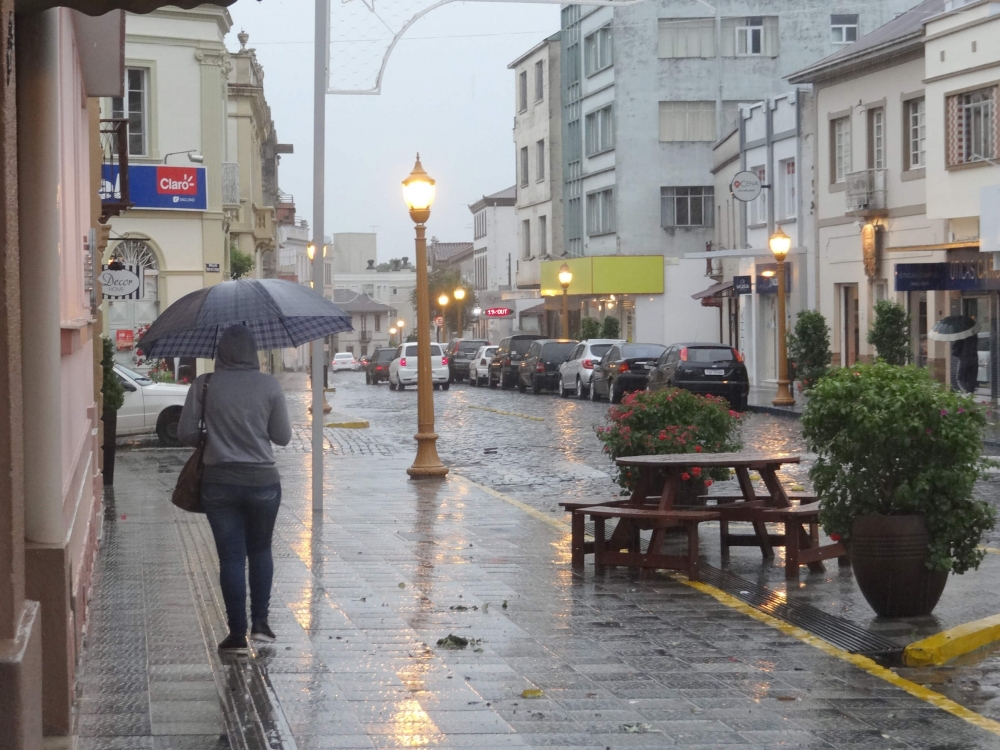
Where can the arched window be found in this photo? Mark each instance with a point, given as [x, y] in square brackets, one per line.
[135, 252]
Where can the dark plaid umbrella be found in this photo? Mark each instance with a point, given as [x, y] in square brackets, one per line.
[954, 328]
[281, 314]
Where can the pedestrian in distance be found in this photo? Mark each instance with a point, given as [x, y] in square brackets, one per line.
[245, 413]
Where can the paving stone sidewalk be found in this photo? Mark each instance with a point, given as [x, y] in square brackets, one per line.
[364, 590]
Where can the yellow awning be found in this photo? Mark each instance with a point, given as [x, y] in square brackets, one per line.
[606, 274]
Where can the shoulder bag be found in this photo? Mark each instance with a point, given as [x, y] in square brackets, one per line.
[187, 493]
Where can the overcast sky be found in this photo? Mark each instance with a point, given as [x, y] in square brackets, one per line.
[447, 93]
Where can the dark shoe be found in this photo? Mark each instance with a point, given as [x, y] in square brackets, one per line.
[262, 633]
[234, 644]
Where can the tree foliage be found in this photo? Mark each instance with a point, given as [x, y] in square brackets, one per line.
[590, 328]
[610, 328]
[891, 440]
[890, 333]
[446, 281]
[112, 390]
[240, 264]
[809, 348]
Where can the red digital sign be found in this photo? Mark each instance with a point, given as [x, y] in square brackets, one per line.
[497, 312]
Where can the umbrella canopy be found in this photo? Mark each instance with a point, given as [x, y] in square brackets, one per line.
[280, 314]
[954, 328]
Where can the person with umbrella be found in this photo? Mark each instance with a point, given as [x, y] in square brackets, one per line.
[961, 331]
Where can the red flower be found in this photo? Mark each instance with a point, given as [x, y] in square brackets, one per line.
[835, 537]
[696, 471]
[708, 482]
[685, 476]
[697, 449]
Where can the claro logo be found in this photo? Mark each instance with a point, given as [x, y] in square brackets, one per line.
[176, 181]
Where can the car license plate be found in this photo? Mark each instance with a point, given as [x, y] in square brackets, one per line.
[715, 372]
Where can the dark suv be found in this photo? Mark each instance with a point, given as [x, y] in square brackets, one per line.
[708, 369]
[510, 352]
[540, 367]
[461, 352]
[377, 368]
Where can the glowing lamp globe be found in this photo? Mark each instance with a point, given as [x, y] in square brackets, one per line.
[780, 243]
[418, 189]
[565, 276]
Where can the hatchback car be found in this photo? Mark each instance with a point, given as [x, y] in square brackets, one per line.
[343, 361]
[510, 352]
[150, 406]
[540, 367]
[377, 368]
[576, 373]
[461, 353]
[403, 368]
[708, 369]
[479, 369]
[624, 368]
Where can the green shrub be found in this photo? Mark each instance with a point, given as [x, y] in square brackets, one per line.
[112, 390]
[809, 349]
[590, 328]
[610, 328]
[893, 441]
[240, 264]
[890, 332]
[668, 421]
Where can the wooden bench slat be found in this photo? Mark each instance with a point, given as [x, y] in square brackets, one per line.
[653, 514]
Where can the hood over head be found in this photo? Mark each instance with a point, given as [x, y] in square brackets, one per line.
[236, 350]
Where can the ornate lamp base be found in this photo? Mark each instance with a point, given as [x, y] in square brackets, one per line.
[427, 464]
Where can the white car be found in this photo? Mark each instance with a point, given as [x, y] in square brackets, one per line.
[576, 373]
[403, 369]
[150, 406]
[479, 368]
[343, 361]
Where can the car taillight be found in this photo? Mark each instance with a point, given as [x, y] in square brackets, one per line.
[684, 354]
[507, 362]
[540, 367]
[738, 355]
[623, 367]
[378, 367]
[402, 361]
[587, 364]
[444, 360]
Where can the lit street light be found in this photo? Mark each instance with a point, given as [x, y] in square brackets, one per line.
[780, 244]
[418, 192]
[392, 336]
[565, 279]
[442, 304]
[459, 295]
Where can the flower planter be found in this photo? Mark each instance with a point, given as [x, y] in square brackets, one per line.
[889, 557]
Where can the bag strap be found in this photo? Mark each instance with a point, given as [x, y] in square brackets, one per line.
[202, 426]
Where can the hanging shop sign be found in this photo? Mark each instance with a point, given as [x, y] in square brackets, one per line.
[743, 284]
[160, 187]
[124, 282]
[124, 339]
[498, 312]
[746, 186]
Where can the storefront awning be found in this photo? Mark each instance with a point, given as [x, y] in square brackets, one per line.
[100, 7]
[716, 290]
[606, 274]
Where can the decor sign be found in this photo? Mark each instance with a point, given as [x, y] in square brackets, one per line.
[125, 282]
[158, 186]
[746, 186]
[497, 312]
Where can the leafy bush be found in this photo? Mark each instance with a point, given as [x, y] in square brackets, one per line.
[610, 328]
[112, 390]
[809, 349]
[668, 421]
[240, 263]
[890, 333]
[893, 441]
[590, 328]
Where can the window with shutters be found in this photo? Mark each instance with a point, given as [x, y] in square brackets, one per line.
[840, 149]
[687, 37]
[540, 160]
[573, 64]
[914, 153]
[971, 126]
[526, 238]
[522, 92]
[787, 205]
[543, 235]
[600, 131]
[524, 166]
[687, 121]
[598, 51]
[843, 28]
[601, 212]
[750, 36]
[134, 107]
[539, 80]
[687, 207]
[757, 208]
[876, 138]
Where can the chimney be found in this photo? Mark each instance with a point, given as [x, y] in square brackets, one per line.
[406, 262]
[371, 265]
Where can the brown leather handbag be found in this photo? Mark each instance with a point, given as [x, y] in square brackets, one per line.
[187, 493]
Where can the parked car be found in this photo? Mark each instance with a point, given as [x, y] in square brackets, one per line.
[150, 406]
[508, 356]
[403, 368]
[461, 353]
[576, 373]
[343, 361]
[479, 369]
[540, 367]
[623, 368]
[377, 369]
[708, 369]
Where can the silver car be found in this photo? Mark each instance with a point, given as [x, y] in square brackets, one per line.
[479, 368]
[576, 373]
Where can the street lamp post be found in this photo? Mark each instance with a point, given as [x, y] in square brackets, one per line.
[418, 191]
[780, 243]
[459, 295]
[442, 304]
[565, 279]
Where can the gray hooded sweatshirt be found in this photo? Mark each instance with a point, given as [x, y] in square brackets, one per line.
[245, 413]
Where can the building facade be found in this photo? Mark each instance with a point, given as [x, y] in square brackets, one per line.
[371, 321]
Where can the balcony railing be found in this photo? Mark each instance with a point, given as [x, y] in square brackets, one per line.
[866, 192]
[114, 168]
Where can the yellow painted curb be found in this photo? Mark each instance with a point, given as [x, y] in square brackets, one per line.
[948, 644]
[508, 413]
[331, 389]
[534, 512]
[351, 424]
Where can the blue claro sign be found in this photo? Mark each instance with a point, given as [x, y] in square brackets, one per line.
[159, 187]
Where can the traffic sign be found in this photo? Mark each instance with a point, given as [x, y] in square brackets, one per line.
[745, 186]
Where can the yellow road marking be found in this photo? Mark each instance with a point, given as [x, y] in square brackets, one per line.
[508, 413]
[861, 662]
[991, 550]
[951, 643]
[352, 424]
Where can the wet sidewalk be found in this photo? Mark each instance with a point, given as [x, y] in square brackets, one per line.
[363, 592]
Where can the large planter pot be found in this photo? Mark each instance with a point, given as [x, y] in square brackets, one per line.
[889, 557]
[110, 419]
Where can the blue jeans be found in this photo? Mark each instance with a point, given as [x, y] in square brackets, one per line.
[242, 521]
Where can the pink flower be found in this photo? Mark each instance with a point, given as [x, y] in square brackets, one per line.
[944, 412]
[929, 431]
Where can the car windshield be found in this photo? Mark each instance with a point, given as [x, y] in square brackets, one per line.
[557, 352]
[640, 351]
[520, 346]
[710, 354]
[140, 379]
[598, 350]
[386, 355]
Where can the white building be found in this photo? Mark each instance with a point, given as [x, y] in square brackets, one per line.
[538, 149]
[495, 246]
